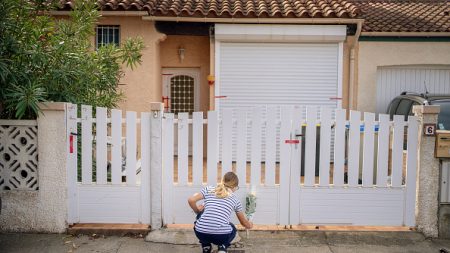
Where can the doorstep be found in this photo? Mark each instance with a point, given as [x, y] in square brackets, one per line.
[108, 229]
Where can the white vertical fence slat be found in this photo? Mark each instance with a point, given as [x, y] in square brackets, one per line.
[183, 148]
[255, 174]
[101, 145]
[116, 146]
[368, 149]
[353, 148]
[168, 169]
[411, 171]
[296, 157]
[197, 148]
[241, 147]
[397, 151]
[383, 150]
[269, 164]
[339, 148]
[285, 131]
[72, 164]
[310, 146]
[325, 147]
[213, 138]
[145, 168]
[130, 169]
[86, 144]
[227, 124]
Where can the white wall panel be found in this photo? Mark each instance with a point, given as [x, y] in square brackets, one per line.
[391, 81]
[352, 206]
[109, 204]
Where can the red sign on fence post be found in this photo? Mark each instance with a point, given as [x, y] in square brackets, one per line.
[71, 143]
[292, 141]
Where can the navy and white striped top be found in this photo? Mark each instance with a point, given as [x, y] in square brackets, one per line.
[217, 213]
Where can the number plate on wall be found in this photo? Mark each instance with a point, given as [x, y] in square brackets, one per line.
[429, 129]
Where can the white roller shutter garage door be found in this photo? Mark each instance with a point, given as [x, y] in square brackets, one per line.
[254, 74]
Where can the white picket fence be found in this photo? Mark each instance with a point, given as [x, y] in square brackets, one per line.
[364, 183]
[363, 177]
[114, 182]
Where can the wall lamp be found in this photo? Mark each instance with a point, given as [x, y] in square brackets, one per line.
[181, 52]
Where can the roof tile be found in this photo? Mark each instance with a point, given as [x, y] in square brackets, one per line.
[379, 15]
[226, 8]
[404, 15]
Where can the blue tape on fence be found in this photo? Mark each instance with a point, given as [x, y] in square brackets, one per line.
[361, 127]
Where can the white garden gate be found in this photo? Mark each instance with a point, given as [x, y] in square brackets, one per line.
[363, 173]
[107, 182]
[370, 179]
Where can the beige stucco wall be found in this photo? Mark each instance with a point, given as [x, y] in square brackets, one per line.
[427, 193]
[143, 84]
[377, 54]
[196, 56]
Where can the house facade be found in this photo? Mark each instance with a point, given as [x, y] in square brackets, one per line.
[206, 55]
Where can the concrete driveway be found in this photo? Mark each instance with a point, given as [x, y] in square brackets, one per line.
[259, 241]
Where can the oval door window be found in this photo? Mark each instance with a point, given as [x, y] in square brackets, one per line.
[182, 94]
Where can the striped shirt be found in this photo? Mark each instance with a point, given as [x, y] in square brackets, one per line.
[217, 212]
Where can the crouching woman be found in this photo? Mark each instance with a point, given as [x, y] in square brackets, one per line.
[213, 225]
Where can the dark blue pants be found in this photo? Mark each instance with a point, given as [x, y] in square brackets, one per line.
[223, 240]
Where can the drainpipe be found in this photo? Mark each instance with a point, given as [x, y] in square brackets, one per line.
[351, 93]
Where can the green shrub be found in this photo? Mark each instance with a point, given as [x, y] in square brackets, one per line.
[43, 58]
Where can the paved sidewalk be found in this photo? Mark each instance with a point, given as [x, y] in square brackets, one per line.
[259, 241]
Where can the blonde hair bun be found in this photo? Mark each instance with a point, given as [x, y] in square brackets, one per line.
[229, 182]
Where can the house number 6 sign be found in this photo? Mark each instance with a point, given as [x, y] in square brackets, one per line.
[429, 129]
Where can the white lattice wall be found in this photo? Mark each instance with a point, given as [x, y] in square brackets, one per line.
[18, 155]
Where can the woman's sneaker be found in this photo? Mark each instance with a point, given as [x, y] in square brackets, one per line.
[221, 249]
[206, 249]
